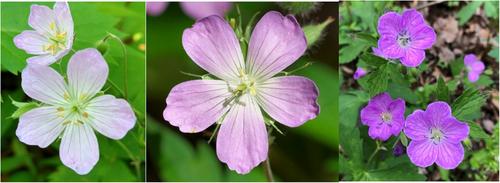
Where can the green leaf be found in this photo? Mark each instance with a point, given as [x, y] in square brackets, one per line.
[470, 100]
[403, 139]
[372, 59]
[377, 81]
[475, 131]
[22, 107]
[299, 7]
[106, 170]
[467, 11]
[350, 52]
[394, 169]
[372, 41]
[491, 9]
[313, 32]
[442, 92]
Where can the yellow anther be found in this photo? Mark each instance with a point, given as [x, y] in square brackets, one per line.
[252, 91]
[61, 36]
[52, 26]
[85, 114]
[82, 96]
[79, 122]
[66, 122]
[60, 109]
[66, 96]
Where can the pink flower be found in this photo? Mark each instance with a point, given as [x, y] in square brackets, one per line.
[156, 8]
[383, 116]
[474, 67]
[360, 72]
[436, 137]
[72, 111]
[243, 88]
[404, 37]
[195, 10]
[53, 34]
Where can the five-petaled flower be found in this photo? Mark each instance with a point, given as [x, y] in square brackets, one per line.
[235, 101]
[73, 110]
[436, 136]
[383, 116]
[404, 37]
[52, 36]
[474, 67]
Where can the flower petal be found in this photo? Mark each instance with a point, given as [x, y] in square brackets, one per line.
[156, 8]
[413, 57]
[31, 42]
[63, 18]
[79, 149]
[389, 24]
[437, 112]
[454, 130]
[277, 41]
[87, 73]
[382, 100]
[389, 47]
[422, 153]
[422, 37]
[417, 127]
[473, 76]
[110, 116]
[46, 59]
[195, 105]
[44, 84]
[449, 155]
[370, 115]
[242, 140]
[380, 132]
[40, 126]
[397, 108]
[412, 18]
[197, 10]
[469, 59]
[291, 100]
[212, 44]
[42, 19]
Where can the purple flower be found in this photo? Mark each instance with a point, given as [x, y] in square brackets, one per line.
[399, 149]
[405, 37]
[52, 36]
[72, 110]
[383, 116]
[436, 136]
[474, 67]
[360, 72]
[156, 8]
[378, 52]
[198, 10]
[243, 87]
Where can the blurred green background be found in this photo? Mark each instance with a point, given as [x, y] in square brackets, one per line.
[306, 153]
[122, 160]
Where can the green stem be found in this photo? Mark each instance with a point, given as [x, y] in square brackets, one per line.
[374, 152]
[124, 50]
[135, 161]
[269, 172]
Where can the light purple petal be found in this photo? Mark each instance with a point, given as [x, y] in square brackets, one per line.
[380, 132]
[360, 72]
[195, 105]
[87, 73]
[378, 52]
[417, 127]
[198, 10]
[41, 18]
[437, 112]
[31, 42]
[44, 60]
[390, 47]
[469, 60]
[389, 24]
[79, 149]
[242, 140]
[473, 77]
[44, 84]
[449, 155]
[422, 37]
[156, 8]
[290, 100]
[397, 109]
[40, 126]
[370, 115]
[454, 131]
[63, 18]
[277, 41]
[412, 18]
[413, 57]
[422, 153]
[110, 116]
[212, 44]
[382, 100]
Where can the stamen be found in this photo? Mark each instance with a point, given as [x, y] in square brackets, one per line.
[386, 116]
[85, 115]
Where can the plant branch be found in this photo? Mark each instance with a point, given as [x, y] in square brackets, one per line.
[267, 169]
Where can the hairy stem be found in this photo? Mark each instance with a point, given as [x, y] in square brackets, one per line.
[267, 169]
[125, 65]
[135, 161]
[374, 152]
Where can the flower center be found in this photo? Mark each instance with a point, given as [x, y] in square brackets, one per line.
[386, 117]
[246, 85]
[436, 135]
[404, 39]
[57, 41]
[74, 111]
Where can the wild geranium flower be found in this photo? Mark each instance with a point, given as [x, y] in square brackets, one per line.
[52, 36]
[405, 37]
[235, 101]
[436, 136]
[360, 72]
[474, 66]
[73, 111]
[383, 116]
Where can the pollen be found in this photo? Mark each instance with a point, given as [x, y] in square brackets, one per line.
[85, 115]
[60, 109]
[66, 96]
[52, 25]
